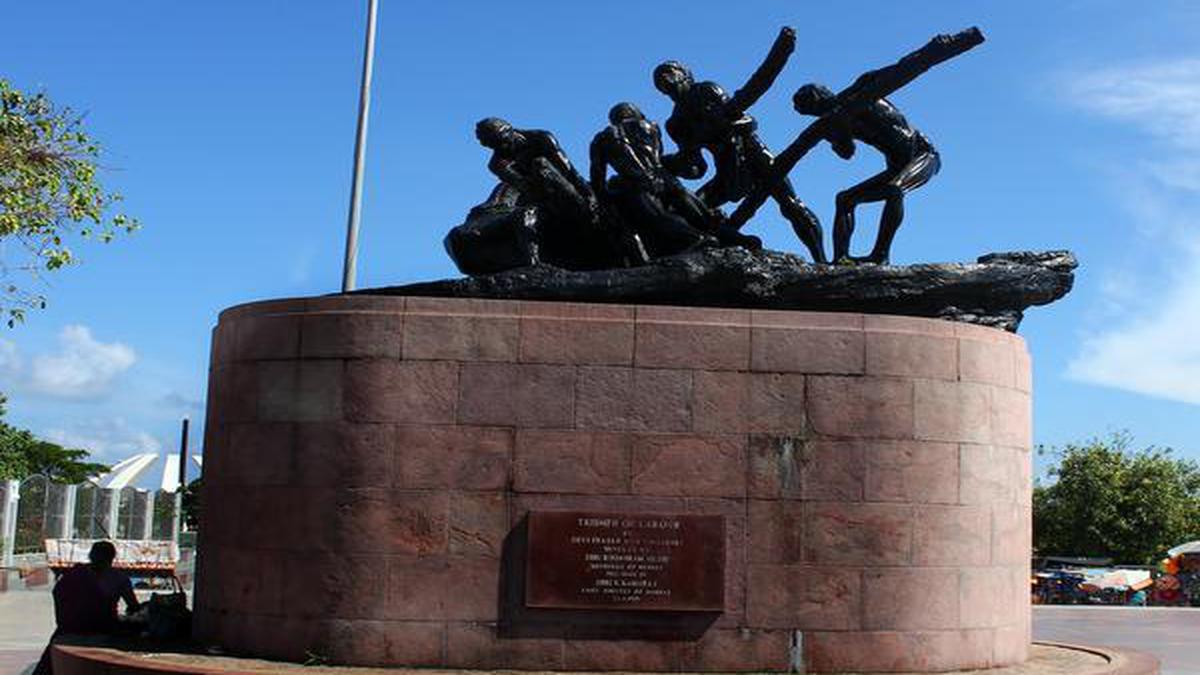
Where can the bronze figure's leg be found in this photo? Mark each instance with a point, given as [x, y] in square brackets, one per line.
[912, 176]
[663, 233]
[804, 222]
[877, 188]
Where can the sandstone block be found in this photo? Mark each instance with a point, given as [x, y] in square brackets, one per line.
[776, 531]
[709, 339]
[268, 337]
[910, 598]
[478, 524]
[339, 454]
[953, 411]
[462, 458]
[911, 355]
[572, 462]
[865, 534]
[454, 337]
[911, 471]
[346, 335]
[622, 399]
[952, 535]
[523, 395]
[987, 362]
[300, 391]
[418, 588]
[989, 475]
[701, 466]
[1012, 413]
[375, 520]
[382, 390]
[591, 340]
[805, 350]
[259, 453]
[861, 407]
[804, 597]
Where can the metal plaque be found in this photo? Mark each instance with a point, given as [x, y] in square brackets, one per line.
[624, 561]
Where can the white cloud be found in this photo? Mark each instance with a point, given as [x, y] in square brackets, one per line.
[1162, 98]
[1153, 345]
[83, 367]
[107, 439]
[1157, 352]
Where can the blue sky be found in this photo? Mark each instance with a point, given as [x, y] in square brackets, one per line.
[229, 128]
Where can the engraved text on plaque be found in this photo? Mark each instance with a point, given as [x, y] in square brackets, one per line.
[584, 560]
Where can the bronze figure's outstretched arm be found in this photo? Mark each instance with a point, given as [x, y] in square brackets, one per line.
[869, 87]
[888, 79]
[765, 75]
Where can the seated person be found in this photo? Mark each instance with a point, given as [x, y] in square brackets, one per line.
[86, 598]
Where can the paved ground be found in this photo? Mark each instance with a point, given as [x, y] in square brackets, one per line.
[1173, 635]
[26, 621]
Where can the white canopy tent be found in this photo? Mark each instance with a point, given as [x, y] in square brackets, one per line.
[131, 470]
[137, 469]
[1189, 547]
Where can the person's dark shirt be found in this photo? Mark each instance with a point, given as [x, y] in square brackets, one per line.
[85, 599]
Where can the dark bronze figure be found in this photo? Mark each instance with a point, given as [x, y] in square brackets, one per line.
[911, 162]
[666, 215]
[542, 211]
[532, 161]
[707, 118]
[499, 234]
[860, 109]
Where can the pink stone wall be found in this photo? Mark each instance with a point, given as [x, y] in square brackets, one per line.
[368, 458]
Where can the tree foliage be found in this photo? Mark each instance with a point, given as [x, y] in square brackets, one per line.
[48, 194]
[59, 464]
[13, 442]
[1108, 500]
[191, 504]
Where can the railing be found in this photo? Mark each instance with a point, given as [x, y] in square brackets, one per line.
[35, 509]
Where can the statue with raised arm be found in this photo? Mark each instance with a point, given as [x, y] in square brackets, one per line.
[705, 117]
[665, 214]
[911, 161]
[862, 112]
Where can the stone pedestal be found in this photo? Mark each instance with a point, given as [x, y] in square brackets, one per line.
[369, 462]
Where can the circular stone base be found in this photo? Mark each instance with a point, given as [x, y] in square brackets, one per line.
[873, 474]
[1044, 659]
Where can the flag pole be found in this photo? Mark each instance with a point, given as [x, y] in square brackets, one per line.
[349, 270]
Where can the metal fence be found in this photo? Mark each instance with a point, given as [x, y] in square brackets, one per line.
[36, 509]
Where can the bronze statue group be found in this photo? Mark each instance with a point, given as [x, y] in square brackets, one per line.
[634, 206]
